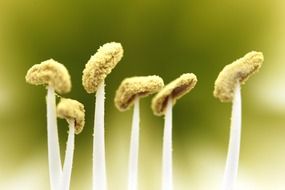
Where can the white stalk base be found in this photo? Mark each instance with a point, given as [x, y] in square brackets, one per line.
[231, 169]
[55, 168]
[99, 165]
[67, 167]
[167, 179]
[134, 148]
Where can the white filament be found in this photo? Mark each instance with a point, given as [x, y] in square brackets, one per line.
[67, 167]
[134, 149]
[55, 168]
[99, 163]
[231, 169]
[167, 181]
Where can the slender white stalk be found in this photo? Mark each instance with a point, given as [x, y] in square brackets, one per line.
[99, 165]
[67, 167]
[167, 180]
[55, 168]
[231, 169]
[134, 148]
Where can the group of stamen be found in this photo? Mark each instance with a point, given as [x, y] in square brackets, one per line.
[57, 79]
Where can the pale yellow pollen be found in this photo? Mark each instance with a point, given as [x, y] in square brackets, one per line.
[50, 73]
[100, 65]
[175, 90]
[72, 110]
[238, 71]
[133, 87]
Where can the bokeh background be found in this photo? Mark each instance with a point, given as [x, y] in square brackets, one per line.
[161, 37]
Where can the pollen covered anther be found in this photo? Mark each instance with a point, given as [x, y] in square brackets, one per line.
[238, 71]
[50, 73]
[133, 87]
[72, 110]
[100, 65]
[174, 90]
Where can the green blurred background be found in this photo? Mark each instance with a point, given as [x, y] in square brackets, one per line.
[166, 38]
